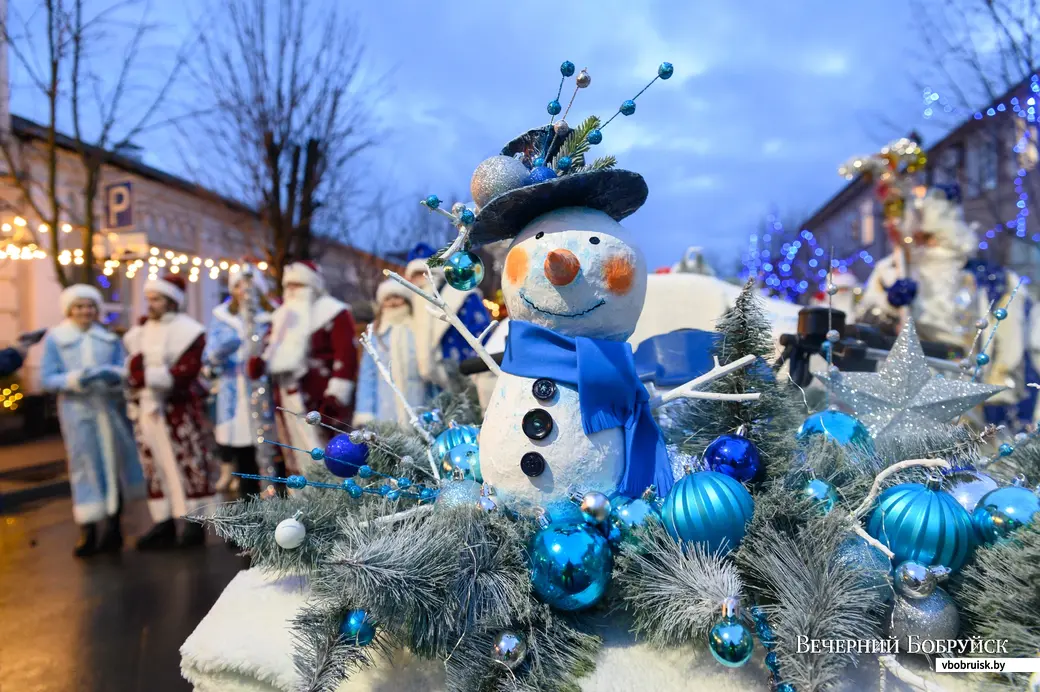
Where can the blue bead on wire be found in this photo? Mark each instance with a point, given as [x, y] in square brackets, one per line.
[365, 471]
[554, 107]
[296, 482]
[1006, 449]
[317, 454]
[433, 201]
[403, 483]
[567, 68]
[982, 359]
[594, 136]
[1000, 314]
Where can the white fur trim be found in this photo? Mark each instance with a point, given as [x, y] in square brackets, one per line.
[415, 266]
[392, 288]
[80, 292]
[158, 377]
[362, 419]
[300, 273]
[165, 288]
[72, 382]
[88, 512]
[340, 389]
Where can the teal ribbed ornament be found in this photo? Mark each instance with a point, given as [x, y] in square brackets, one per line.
[453, 436]
[710, 508]
[924, 524]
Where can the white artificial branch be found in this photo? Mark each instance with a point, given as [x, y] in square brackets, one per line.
[420, 510]
[413, 419]
[434, 298]
[690, 389]
[458, 243]
[487, 330]
[895, 468]
[889, 662]
[858, 530]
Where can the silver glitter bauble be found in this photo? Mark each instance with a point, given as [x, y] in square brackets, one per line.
[981, 323]
[313, 418]
[357, 436]
[832, 289]
[933, 617]
[510, 649]
[833, 336]
[561, 128]
[495, 176]
[456, 493]
[595, 507]
[968, 486]
[965, 364]
[583, 79]
[914, 580]
[407, 460]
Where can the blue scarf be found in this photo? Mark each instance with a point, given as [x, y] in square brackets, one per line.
[609, 392]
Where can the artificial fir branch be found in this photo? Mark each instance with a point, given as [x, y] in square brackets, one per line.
[600, 164]
[459, 402]
[1025, 461]
[673, 590]
[322, 657]
[958, 443]
[576, 144]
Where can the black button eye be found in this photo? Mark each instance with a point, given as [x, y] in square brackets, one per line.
[538, 235]
[594, 240]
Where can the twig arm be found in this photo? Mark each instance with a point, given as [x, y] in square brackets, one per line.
[690, 390]
[875, 489]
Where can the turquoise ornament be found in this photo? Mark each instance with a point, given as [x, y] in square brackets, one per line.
[628, 107]
[358, 628]
[1006, 449]
[632, 515]
[823, 494]
[570, 565]
[838, 426]
[466, 459]
[1000, 314]
[467, 217]
[710, 508]
[366, 471]
[563, 163]
[451, 437]
[567, 68]
[594, 136]
[730, 641]
[665, 70]
[554, 107]
[982, 359]
[296, 482]
[317, 454]
[923, 524]
[538, 161]
[1002, 511]
[873, 567]
[433, 201]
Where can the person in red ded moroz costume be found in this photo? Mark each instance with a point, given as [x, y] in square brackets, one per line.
[167, 407]
[311, 357]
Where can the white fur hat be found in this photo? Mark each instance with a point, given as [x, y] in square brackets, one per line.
[304, 272]
[172, 286]
[415, 266]
[80, 292]
[258, 277]
[944, 219]
[845, 280]
[391, 288]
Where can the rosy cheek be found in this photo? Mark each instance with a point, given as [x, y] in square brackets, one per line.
[618, 273]
[517, 264]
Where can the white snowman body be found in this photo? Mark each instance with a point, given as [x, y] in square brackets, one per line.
[574, 271]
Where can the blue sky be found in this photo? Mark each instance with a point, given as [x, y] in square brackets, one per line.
[767, 98]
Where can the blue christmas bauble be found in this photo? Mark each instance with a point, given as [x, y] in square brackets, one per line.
[838, 426]
[343, 458]
[1003, 510]
[433, 201]
[570, 565]
[923, 524]
[451, 437]
[457, 494]
[464, 270]
[731, 642]
[734, 455]
[982, 359]
[539, 174]
[823, 494]
[902, 292]
[710, 508]
[358, 628]
[872, 566]
[466, 458]
[665, 70]
[567, 68]
[628, 107]
[631, 515]
[594, 136]
[554, 107]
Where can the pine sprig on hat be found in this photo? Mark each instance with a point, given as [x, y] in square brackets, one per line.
[600, 164]
[576, 144]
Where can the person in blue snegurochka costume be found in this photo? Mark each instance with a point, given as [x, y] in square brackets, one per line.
[84, 363]
[437, 342]
[394, 344]
[225, 356]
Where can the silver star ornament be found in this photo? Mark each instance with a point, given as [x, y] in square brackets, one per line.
[904, 395]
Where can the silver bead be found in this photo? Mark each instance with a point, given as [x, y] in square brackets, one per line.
[981, 323]
[833, 336]
[510, 649]
[1021, 437]
[966, 364]
[583, 79]
[313, 418]
[561, 128]
[595, 506]
[357, 436]
[913, 580]
[832, 289]
[407, 460]
[369, 436]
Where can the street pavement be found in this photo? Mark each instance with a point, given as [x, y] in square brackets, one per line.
[108, 624]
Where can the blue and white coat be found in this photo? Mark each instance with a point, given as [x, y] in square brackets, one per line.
[226, 353]
[102, 454]
[437, 341]
[376, 400]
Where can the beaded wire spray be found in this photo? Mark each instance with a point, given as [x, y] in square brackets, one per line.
[1000, 314]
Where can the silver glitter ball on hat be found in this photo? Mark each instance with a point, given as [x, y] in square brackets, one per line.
[495, 176]
[968, 486]
[561, 128]
[313, 418]
[933, 617]
[583, 79]
[510, 649]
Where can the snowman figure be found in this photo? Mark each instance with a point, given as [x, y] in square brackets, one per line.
[568, 412]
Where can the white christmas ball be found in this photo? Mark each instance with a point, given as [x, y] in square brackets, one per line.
[289, 533]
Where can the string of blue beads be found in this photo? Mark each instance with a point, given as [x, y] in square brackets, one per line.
[768, 639]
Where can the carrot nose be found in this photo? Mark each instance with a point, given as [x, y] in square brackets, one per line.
[561, 266]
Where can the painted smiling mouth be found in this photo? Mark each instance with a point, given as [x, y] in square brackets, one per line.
[560, 314]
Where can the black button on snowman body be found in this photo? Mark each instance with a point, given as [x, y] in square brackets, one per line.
[532, 464]
[537, 424]
[543, 389]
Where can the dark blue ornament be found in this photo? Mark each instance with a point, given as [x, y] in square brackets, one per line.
[1000, 314]
[366, 471]
[296, 482]
[982, 359]
[734, 455]
[665, 70]
[539, 174]
[451, 437]
[710, 508]
[554, 107]
[1003, 510]
[902, 292]
[824, 495]
[923, 524]
[628, 107]
[433, 201]
[570, 565]
[567, 68]
[731, 642]
[563, 163]
[464, 271]
[838, 426]
[466, 458]
[343, 458]
[318, 454]
[594, 136]
[358, 628]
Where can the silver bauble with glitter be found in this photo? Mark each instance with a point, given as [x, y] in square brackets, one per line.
[313, 418]
[510, 649]
[458, 492]
[495, 176]
[561, 128]
[968, 486]
[583, 79]
[933, 617]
